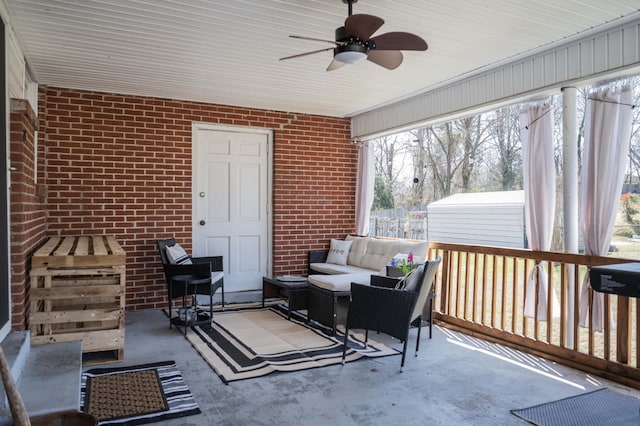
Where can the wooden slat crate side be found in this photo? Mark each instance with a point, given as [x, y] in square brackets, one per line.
[78, 261]
[65, 282]
[123, 285]
[59, 317]
[82, 327]
[96, 270]
[91, 340]
[104, 304]
[61, 293]
[102, 340]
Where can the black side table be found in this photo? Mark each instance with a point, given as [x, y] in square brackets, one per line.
[192, 285]
[294, 291]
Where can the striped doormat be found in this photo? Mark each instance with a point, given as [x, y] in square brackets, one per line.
[595, 408]
[136, 395]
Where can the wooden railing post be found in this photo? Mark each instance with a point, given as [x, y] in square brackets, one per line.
[623, 348]
[444, 287]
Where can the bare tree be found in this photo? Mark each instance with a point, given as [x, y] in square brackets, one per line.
[390, 163]
[420, 169]
[474, 134]
[444, 152]
[505, 133]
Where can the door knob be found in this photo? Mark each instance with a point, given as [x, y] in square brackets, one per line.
[202, 222]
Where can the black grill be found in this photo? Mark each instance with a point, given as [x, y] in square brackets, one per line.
[621, 278]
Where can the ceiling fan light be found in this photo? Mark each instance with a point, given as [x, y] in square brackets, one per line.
[350, 53]
[349, 57]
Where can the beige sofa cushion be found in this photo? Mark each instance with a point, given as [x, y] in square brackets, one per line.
[379, 252]
[358, 249]
[419, 249]
[341, 282]
[332, 268]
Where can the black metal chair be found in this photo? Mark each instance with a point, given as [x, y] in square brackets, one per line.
[393, 310]
[201, 276]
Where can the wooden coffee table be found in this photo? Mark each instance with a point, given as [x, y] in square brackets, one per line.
[292, 289]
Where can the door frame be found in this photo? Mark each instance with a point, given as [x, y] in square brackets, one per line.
[5, 249]
[199, 125]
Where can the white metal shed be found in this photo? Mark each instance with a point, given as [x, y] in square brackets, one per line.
[483, 218]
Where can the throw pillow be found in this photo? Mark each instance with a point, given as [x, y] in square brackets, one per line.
[411, 281]
[339, 252]
[177, 255]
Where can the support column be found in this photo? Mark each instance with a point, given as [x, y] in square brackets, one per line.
[570, 198]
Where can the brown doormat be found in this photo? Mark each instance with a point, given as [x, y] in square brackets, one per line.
[136, 395]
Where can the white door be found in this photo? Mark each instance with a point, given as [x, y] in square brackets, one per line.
[231, 201]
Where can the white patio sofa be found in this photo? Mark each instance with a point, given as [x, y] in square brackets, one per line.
[331, 274]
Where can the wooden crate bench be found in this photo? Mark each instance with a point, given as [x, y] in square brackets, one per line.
[78, 293]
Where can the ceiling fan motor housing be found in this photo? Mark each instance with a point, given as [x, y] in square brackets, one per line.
[351, 48]
[349, 43]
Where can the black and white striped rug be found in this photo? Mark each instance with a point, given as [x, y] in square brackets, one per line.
[249, 343]
[136, 395]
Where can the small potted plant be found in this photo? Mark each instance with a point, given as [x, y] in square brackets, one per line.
[400, 267]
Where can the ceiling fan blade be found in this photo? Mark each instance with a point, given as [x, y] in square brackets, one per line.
[316, 39]
[390, 59]
[362, 26]
[399, 41]
[334, 65]
[306, 53]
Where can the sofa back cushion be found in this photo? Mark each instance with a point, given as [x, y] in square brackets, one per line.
[378, 254]
[358, 249]
[419, 249]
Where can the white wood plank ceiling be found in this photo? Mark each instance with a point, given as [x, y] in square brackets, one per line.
[227, 51]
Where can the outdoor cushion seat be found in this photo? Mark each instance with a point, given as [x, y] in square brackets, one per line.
[339, 282]
[332, 268]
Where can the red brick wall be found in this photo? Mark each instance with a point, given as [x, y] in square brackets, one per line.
[121, 165]
[26, 206]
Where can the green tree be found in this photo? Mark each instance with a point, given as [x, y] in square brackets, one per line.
[383, 198]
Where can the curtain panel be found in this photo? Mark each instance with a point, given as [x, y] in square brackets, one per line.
[606, 147]
[536, 133]
[365, 182]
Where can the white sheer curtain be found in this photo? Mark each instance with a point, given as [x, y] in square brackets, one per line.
[365, 182]
[536, 132]
[606, 147]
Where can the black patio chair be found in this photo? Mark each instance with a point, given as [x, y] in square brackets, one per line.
[191, 276]
[393, 310]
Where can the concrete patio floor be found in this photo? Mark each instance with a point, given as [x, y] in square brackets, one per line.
[455, 380]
